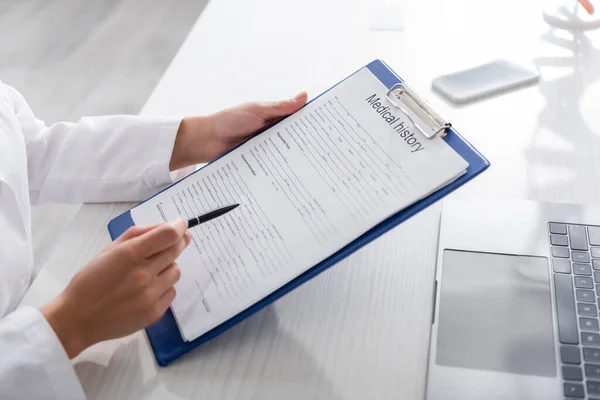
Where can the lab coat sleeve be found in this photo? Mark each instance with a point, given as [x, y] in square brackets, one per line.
[33, 363]
[97, 159]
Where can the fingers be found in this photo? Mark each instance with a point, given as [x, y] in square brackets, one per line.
[134, 231]
[165, 291]
[282, 108]
[168, 278]
[130, 233]
[163, 303]
[158, 262]
[159, 238]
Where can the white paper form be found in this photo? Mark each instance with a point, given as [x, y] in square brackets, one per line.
[306, 187]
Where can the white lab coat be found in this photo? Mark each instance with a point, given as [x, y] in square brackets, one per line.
[116, 158]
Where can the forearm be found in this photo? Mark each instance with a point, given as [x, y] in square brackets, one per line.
[192, 143]
[64, 319]
[98, 159]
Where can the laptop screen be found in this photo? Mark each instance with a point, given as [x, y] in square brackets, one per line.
[496, 314]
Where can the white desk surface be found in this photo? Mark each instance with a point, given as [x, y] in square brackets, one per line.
[361, 330]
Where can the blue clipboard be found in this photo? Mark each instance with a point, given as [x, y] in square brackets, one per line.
[164, 335]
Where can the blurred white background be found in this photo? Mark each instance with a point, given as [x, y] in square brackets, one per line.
[71, 58]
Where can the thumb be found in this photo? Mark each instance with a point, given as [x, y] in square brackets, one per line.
[284, 107]
[130, 233]
[135, 231]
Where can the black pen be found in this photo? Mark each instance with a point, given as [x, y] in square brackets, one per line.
[210, 215]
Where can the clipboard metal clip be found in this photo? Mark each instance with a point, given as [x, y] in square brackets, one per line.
[412, 105]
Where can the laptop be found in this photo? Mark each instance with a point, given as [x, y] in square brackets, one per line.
[516, 302]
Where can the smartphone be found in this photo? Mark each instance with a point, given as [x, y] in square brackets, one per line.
[484, 80]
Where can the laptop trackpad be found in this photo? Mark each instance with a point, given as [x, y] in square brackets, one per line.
[495, 313]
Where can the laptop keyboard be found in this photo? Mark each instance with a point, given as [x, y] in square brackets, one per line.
[575, 253]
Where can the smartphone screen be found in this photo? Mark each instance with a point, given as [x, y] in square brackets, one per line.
[484, 80]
